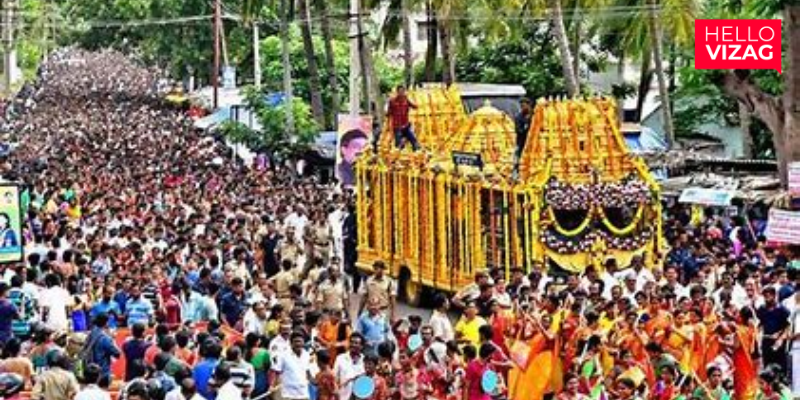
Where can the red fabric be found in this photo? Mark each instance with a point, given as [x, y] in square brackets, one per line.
[398, 112]
[173, 311]
[745, 370]
[474, 376]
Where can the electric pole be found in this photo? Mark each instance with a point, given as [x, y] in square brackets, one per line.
[217, 34]
[9, 58]
[256, 55]
[355, 64]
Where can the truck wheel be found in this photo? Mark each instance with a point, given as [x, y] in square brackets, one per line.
[411, 291]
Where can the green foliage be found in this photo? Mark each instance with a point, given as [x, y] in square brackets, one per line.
[179, 47]
[239, 133]
[510, 62]
[272, 68]
[273, 137]
[699, 100]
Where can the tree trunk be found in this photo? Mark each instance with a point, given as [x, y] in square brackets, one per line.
[314, 86]
[447, 52]
[330, 61]
[790, 151]
[562, 40]
[362, 63]
[408, 55]
[621, 82]
[375, 98]
[645, 77]
[576, 40]
[745, 121]
[287, 67]
[656, 46]
[433, 43]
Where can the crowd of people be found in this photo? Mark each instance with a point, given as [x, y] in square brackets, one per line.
[159, 267]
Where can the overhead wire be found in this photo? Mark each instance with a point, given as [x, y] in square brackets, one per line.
[611, 12]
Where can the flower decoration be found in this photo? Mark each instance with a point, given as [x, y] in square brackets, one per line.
[566, 196]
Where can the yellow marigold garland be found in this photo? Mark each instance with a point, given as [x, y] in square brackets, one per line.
[570, 232]
[626, 230]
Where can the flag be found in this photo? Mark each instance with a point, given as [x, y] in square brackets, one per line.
[598, 392]
[587, 371]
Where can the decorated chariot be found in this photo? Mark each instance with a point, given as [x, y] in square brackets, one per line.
[435, 217]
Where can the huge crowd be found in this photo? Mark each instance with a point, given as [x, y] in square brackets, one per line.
[160, 267]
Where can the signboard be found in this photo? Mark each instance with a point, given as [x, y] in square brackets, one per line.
[794, 178]
[354, 134]
[10, 224]
[228, 77]
[707, 197]
[783, 226]
[467, 159]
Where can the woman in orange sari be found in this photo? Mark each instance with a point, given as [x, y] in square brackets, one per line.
[532, 381]
[745, 367]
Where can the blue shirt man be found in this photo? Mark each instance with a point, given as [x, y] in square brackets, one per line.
[138, 309]
[204, 370]
[107, 306]
[234, 303]
[26, 308]
[373, 326]
[8, 313]
[100, 347]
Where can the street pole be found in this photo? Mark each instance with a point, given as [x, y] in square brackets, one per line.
[215, 73]
[355, 67]
[9, 58]
[256, 56]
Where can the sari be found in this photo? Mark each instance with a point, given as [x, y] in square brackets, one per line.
[745, 369]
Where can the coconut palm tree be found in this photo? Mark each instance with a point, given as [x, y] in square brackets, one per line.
[286, 63]
[656, 47]
[562, 40]
[250, 10]
[330, 60]
[639, 30]
[315, 89]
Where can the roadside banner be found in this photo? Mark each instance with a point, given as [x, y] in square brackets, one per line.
[707, 197]
[794, 178]
[10, 224]
[783, 226]
[354, 134]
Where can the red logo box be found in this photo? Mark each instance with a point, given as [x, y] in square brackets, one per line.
[737, 44]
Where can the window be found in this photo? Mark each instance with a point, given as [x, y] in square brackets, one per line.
[422, 30]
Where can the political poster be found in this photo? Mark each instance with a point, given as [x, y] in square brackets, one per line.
[794, 178]
[354, 134]
[783, 226]
[11, 249]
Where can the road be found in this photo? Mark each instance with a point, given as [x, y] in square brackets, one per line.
[403, 310]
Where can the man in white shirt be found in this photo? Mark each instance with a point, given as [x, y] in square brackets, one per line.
[336, 222]
[293, 370]
[792, 303]
[440, 322]
[54, 303]
[91, 375]
[281, 344]
[255, 319]
[349, 366]
[226, 388]
[187, 390]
